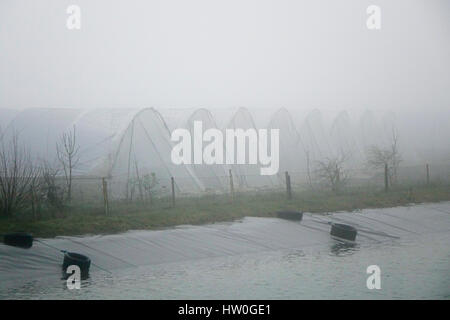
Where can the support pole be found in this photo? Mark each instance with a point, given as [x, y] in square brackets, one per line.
[428, 174]
[141, 192]
[105, 196]
[231, 185]
[386, 177]
[172, 180]
[288, 186]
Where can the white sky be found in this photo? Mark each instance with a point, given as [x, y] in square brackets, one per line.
[225, 53]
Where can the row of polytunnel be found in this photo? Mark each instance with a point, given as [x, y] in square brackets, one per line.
[124, 143]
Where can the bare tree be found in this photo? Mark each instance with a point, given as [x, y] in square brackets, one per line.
[331, 171]
[50, 191]
[19, 178]
[149, 183]
[67, 151]
[378, 158]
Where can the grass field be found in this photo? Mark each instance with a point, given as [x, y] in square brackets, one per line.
[81, 219]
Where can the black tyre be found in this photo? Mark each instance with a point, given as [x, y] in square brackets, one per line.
[290, 215]
[343, 231]
[18, 239]
[82, 261]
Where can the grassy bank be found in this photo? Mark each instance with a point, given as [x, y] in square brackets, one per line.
[82, 219]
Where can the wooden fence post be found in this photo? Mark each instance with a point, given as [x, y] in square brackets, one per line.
[172, 180]
[428, 174]
[231, 185]
[105, 196]
[386, 177]
[288, 186]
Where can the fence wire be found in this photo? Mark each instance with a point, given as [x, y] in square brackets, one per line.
[90, 189]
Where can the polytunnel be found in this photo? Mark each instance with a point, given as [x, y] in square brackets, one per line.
[380, 131]
[315, 138]
[343, 141]
[128, 145]
[247, 175]
[140, 148]
[123, 145]
[6, 116]
[423, 136]
[39, 129]
[212, 176]
[176, 117]
[95, 132]
[292, 152]
[370, 131]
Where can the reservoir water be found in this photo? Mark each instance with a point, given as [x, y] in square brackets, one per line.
[254, 258]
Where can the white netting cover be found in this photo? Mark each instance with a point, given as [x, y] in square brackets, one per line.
[124, 144]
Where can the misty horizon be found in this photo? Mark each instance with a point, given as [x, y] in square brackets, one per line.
[228, 54]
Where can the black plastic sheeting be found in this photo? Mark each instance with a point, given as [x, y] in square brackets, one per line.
[250, 235]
